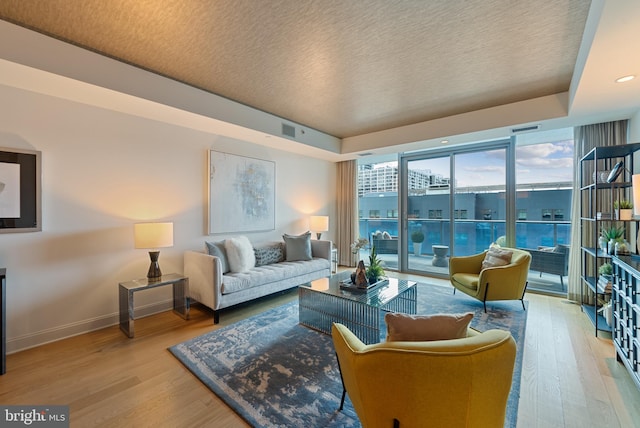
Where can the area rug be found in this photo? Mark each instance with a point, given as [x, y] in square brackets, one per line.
[274, 372]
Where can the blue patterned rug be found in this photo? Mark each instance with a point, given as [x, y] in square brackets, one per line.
[274, 372]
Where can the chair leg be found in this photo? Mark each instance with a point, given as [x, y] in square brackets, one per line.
[522, 297]
[344, 390]
[396, 423]
[484, 299]
[454, 290]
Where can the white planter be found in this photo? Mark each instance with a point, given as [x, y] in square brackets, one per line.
[417, 248]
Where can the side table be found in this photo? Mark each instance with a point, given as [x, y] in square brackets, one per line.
[127, 289]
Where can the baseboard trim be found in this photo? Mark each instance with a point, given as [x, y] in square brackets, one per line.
[55, 334]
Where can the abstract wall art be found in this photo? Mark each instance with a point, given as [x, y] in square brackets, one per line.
[241, 193]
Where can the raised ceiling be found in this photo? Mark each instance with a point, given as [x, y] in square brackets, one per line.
[345, 68]
[349, 77]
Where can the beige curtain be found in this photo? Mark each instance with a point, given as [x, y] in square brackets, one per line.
[347, 210]
[586, 138]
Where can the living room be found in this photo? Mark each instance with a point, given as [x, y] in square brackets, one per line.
[112, 159]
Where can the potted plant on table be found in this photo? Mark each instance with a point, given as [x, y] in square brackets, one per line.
[417, 237]
[374, 270]
[623, 209]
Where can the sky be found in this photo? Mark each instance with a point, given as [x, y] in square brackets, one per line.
[535, 163]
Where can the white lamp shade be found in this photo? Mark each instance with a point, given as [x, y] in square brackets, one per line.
[635, 186]
[153, 235]
[319, 223]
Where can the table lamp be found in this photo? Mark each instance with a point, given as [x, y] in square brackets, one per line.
[153, 236]
[319, 224]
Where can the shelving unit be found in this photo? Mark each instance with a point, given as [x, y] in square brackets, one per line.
[597, 200]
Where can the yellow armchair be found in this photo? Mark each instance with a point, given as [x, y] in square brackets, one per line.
[445, 383]
[508, 282]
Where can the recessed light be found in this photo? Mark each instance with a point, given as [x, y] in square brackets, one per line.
[444, 141]
[625, 78]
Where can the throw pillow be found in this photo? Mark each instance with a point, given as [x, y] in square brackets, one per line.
[267, 254]
[240, 254]
[386, 235]
[297, 247]
[217, 249]
[496, 257]
[419, 328]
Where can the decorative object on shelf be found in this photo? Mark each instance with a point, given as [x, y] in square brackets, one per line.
[615, 172]
[319, 224]
[603, 242]
[153, 236]
[606, 270]
[417, 237]
[623, 209]
[622, 248]
[612, 235]
[601, 176]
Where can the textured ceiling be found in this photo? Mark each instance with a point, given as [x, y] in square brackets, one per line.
[342, 67]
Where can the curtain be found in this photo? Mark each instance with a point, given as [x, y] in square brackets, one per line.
[586, 138]
[347, 210]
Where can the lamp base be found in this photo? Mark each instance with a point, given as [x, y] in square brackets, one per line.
[318, 235]
[154, 269]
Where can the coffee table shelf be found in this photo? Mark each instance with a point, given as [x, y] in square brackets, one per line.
[323, 302]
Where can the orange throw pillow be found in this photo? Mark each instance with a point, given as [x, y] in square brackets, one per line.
[419, 328]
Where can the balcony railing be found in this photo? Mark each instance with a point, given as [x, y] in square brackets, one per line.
[472, 236]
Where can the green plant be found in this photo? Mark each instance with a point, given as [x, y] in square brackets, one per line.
[623, 204]
[605, 269]
[613, 232]
[417, 236]
[374, 270]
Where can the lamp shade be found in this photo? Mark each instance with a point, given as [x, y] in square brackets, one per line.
[635, 186]
[153, 235]
[319, 223]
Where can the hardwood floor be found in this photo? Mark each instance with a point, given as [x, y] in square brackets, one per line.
[570, 378]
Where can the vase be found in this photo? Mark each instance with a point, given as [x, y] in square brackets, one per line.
[625, 214]
[622, 247]
[417, 248]
[611, 247]
[602, 243]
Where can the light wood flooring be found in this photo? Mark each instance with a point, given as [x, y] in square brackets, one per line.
[570, 378]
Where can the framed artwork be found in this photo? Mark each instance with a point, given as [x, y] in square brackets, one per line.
[20, 194]
[242, 194]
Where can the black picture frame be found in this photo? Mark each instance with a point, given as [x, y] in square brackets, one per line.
[21, 208]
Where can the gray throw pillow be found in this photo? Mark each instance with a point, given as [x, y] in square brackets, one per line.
[297, 247]
[267, 254]
[217, 249]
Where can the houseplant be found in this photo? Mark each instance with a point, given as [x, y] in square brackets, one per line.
[610, 235]
[374, 270]
[417, 237]
[623, 209]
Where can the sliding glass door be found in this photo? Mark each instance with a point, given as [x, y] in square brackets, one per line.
[453, 203]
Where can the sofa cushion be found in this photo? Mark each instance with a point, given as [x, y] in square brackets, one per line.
[418, 328]
[297, 247]
[217, 249]
[240, 254]
[267, 254]
[496, 257]
[267, 274]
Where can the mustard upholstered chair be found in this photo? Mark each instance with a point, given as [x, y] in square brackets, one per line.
[508, 282]
[445, 383]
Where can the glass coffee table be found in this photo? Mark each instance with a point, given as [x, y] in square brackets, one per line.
[323, 302]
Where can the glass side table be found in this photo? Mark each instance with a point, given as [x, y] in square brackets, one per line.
[127, 289]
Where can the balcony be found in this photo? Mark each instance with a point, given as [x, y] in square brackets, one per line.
[472, 237]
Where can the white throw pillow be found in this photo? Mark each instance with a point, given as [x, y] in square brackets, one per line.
[240, 254]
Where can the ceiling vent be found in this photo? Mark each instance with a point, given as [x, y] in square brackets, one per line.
[288, 130]
[526, 129]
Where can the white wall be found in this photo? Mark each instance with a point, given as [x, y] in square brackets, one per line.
[102, 172]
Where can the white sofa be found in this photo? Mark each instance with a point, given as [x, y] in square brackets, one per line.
[212, 287]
